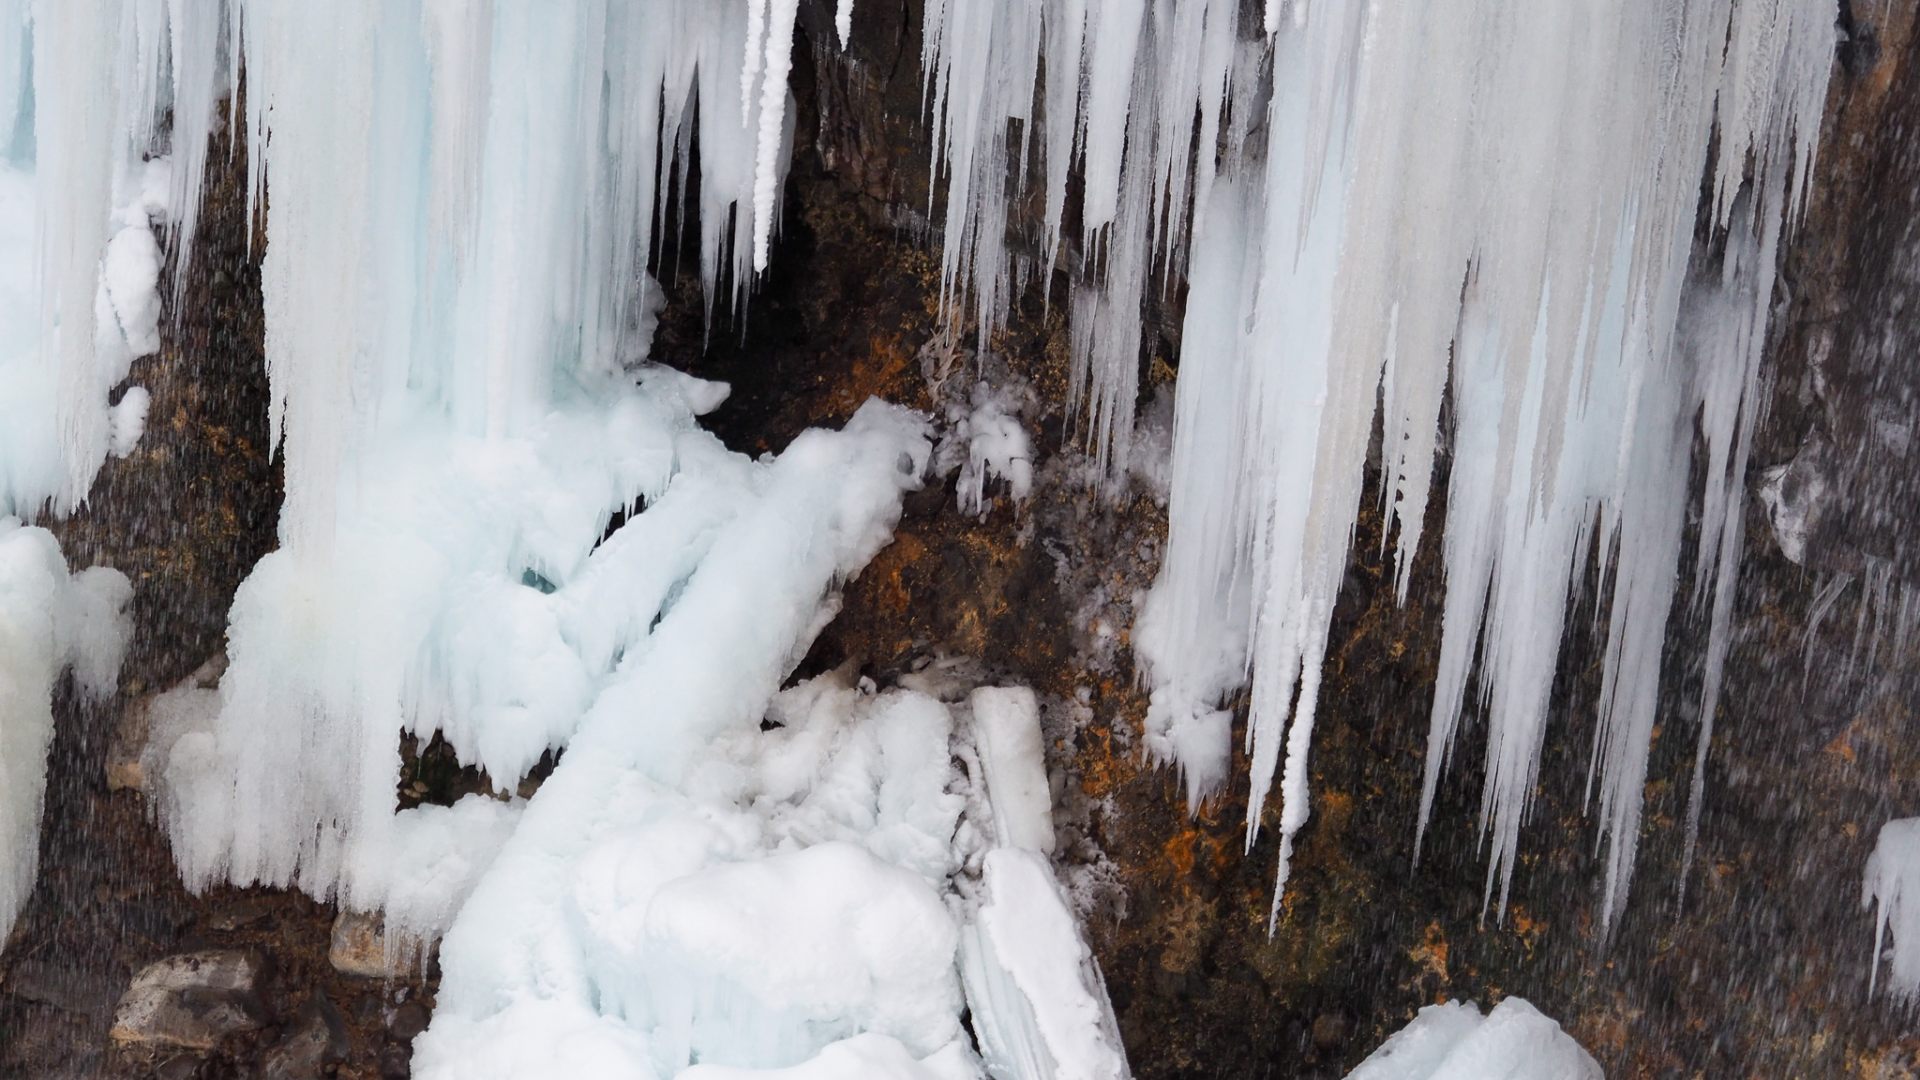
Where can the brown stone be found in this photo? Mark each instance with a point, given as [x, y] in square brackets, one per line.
[317, 1039]
[360, 947]
[124, 769]
[192, 1000]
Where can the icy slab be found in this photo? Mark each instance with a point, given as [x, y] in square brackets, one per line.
[50, 622]
[454, 602]
[1006, 725]
[827, 939]
[863, 1057]
[717, 893]
[1038, 1001]
[1892, 887]
[1452, 1041]
[437, 856]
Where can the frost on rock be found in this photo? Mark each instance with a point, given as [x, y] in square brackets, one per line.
[984, 438]
[1453, 1041]
[997, 449]
[1794, 493]
[1892, 887]
[50, 622]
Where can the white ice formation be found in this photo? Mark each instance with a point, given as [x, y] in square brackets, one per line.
[1892, 886]
[1453, 1041]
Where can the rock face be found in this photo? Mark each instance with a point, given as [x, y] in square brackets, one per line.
[192, 1001]
[359, 947]
[1762, 970]
[317, 1040]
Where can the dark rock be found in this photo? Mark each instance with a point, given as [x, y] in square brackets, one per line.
[318, 1038]
[360, 947]
[1331, 1031]
[193, 1000]
[408, 1021]
[243, 912]
[65, 987]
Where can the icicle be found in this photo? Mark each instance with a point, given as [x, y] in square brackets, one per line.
[76, 93]
[459, 40]
[1123, 84]
[1550, 297]
[773, 113]
[196, 26]
[311, 94]
[843, 21]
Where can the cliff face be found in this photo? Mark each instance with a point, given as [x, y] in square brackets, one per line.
[1756, 964]
[1760, 971]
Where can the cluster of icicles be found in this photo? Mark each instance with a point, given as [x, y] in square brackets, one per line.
[1376, 208]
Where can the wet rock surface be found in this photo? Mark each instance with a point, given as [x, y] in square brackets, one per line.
[316, 1041]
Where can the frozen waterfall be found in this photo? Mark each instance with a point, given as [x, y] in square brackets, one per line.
[1534, 244]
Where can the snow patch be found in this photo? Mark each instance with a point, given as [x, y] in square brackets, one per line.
[1453, 1041]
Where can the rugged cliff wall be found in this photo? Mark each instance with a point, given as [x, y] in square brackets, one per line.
[1756, 963]
[1762, 970]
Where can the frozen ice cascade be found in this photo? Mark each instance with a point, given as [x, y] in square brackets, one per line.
[79, 270]
[504, 525]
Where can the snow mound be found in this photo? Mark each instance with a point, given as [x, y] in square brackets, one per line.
[1454, 1042]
